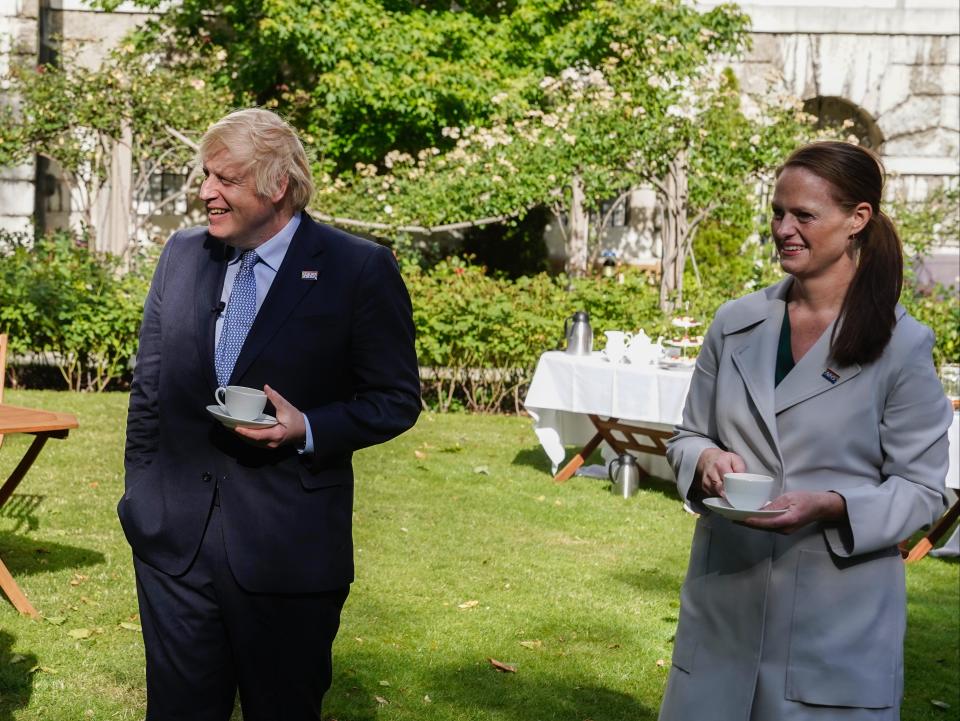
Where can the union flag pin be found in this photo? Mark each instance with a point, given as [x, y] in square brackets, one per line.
[308, 275]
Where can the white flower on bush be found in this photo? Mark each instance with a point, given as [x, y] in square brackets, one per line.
[388, 209]
[571, 139]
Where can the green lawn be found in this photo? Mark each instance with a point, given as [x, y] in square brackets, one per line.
[466, 551]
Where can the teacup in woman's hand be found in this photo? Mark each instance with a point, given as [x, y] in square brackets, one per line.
[748, 491]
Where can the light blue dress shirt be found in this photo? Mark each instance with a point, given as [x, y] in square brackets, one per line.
[271, 254]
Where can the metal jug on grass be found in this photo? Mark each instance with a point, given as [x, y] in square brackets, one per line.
[579, 334]
[625, 475]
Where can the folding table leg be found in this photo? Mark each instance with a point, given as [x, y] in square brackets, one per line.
[22, 467]
[14, 593]
[578, 460]
[926, 544]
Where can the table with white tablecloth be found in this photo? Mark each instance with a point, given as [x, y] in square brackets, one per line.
[570, 395]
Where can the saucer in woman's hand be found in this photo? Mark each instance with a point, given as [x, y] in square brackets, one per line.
[720, 506]
[262, 421]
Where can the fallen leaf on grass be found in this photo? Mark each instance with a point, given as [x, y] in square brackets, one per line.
[468, 604]
[940, 704]
[129, 626]
[17, 658]
[481, 469]
[43, 669]
[79, 633]
[77, 579]
[384, 683]
[420, 455]
[56, 620]
[426, 698]
[661, 662]
[381, 700]
[503, 667]
[532, 644]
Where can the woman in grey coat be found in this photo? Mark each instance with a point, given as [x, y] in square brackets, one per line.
[825, 383]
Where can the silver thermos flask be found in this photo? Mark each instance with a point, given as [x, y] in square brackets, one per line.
[625, 475]
[579, 334]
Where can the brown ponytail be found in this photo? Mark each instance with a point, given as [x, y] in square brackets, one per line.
[868, 313]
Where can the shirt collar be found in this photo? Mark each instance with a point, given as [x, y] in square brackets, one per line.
[273, 250]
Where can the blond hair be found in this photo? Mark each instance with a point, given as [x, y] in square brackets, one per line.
[268, 146]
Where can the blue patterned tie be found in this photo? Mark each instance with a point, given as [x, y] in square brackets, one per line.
[241, 310]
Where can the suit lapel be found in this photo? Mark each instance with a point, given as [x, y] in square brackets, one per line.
[287, 290]
[210, 273]
[814, 374]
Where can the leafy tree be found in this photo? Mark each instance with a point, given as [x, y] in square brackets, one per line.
[436, 114]
[77, 116]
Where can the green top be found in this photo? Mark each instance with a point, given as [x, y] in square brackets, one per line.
[785, 362]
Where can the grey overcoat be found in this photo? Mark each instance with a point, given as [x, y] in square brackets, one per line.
[811, 625]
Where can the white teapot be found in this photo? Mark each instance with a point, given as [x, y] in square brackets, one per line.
[643, 351]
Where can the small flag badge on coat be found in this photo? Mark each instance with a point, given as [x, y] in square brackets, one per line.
[831, 375]
[308, 275]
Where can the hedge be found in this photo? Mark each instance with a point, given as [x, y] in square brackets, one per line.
[478, 336]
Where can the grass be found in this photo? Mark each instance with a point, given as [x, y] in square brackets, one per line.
[465, 551]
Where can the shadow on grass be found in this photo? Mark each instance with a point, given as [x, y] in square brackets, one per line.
[533, 457]
[475, 690]
[26, 556]
[16, 677]
[653, 581]
[21, 508]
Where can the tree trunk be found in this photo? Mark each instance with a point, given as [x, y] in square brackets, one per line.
[579, 231]
[675, 233]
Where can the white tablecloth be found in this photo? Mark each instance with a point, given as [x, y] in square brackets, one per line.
[565, 388]
[953, 473]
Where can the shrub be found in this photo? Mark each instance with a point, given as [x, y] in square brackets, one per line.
[62, 304]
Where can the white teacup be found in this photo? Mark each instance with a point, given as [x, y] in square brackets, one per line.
[748, 491]
[240, 402]
[616, 347]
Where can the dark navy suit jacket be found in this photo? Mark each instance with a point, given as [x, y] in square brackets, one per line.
[340, 348]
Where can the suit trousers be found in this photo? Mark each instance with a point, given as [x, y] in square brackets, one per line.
[205, 638]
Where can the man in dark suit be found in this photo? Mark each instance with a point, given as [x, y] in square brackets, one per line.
[242, 537]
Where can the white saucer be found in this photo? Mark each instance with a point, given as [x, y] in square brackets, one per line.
[721, 506]
[263, 421]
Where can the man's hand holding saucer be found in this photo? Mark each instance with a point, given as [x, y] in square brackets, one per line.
[290, 427]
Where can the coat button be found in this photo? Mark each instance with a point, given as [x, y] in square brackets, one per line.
[206, 477]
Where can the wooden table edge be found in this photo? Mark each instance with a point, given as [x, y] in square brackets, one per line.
[56, 421]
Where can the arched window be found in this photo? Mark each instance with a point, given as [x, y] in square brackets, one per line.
[850, 119]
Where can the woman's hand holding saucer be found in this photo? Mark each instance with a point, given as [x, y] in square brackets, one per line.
[803, 508]
[290, 428]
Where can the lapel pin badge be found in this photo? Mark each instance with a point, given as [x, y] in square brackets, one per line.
[831, 375]
[308, 275]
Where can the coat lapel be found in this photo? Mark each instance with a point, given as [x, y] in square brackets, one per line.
[814, 374]
[287, 290]
[755, 359]
[817, 372]
[210, 273]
